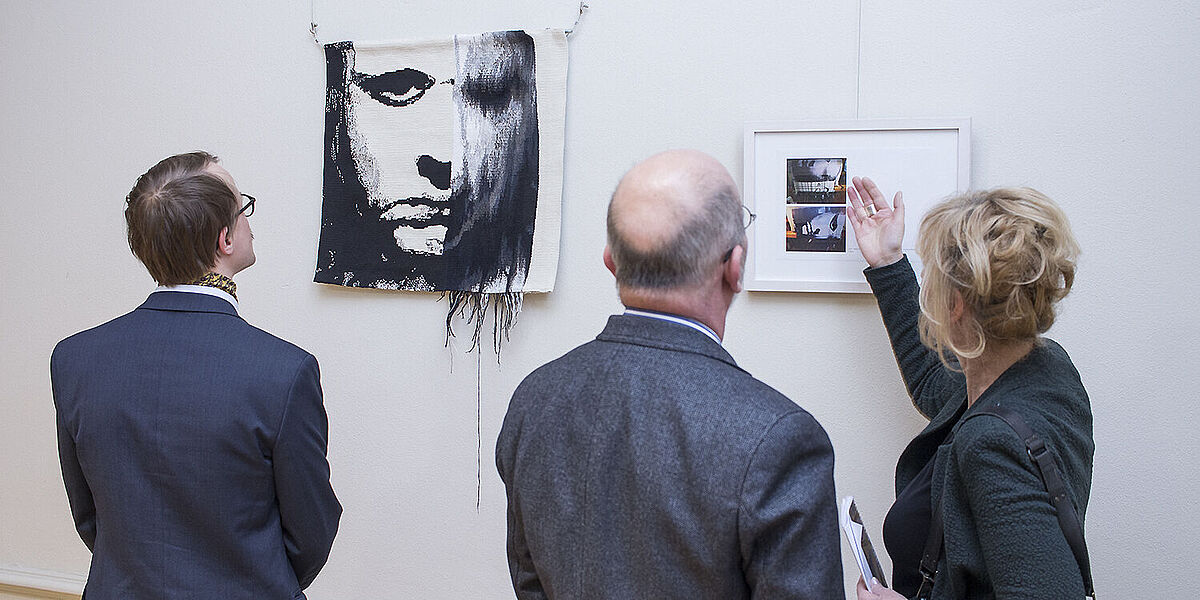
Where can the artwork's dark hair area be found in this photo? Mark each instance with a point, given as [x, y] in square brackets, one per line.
[494, 203]
[175, 213]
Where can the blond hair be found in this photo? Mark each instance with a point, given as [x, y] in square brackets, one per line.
[1009, 252]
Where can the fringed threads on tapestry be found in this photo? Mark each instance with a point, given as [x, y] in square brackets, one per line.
[473, 307]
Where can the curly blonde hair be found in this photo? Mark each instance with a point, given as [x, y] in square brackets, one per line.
[1009, 252]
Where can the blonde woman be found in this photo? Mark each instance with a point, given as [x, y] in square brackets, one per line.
[995, 264]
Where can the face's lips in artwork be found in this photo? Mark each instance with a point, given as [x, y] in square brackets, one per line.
[416, 209]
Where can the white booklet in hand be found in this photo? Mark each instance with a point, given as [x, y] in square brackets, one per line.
[860, 543]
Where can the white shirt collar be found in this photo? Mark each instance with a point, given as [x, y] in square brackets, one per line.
[698, 326]
[200, 289]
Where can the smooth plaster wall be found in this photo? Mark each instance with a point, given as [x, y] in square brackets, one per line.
[1092, 102]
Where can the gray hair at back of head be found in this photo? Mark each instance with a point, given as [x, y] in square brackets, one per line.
[699, 244]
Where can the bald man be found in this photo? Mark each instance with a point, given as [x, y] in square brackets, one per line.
[646, 463]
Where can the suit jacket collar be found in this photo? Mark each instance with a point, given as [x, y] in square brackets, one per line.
[188, 302]
[655, 333]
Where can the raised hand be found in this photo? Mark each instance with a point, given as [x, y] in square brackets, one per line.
[878, 227]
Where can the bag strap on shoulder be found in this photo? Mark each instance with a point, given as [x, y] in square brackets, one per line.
[932, 553]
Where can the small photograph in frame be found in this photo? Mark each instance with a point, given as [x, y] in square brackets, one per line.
[796, 177]
[816, 180]
[815, 229]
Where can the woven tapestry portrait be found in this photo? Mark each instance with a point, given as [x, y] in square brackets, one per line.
[443, 165]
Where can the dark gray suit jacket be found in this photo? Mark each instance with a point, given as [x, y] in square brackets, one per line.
[193, 452]
[647, 464]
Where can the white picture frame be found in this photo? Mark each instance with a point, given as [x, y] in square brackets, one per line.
[928, 159]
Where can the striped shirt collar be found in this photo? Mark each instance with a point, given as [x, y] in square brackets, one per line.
[697, 325]
[200, 289]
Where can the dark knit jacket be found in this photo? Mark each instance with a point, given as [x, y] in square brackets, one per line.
[1002, 537]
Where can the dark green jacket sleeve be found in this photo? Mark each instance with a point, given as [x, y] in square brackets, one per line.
[930, 384]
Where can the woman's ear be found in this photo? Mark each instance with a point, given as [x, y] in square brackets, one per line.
[958, 307]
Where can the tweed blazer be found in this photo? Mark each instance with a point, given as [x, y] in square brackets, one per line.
[647, 464]
[193, 452]
[1002, 538]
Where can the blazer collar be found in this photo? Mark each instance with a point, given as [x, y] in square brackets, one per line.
[188, 302]
[655, 333]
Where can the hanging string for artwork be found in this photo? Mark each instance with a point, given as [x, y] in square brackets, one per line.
[478, 429]
[583, 6]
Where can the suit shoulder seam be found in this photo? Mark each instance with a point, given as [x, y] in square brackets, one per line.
[287, 403]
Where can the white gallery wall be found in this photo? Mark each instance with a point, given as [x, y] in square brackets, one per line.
[1094, 103]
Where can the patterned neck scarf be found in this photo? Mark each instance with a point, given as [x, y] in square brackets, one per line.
[218, 281]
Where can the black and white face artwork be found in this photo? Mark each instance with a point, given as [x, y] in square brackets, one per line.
[432, 164]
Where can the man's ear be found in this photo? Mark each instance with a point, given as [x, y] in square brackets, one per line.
[732, 269]
[608, 261]
[224, 243]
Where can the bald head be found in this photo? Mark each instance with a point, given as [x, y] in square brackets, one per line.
[671, 219]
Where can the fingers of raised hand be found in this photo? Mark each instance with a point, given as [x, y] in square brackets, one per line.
[872, 192]
[859, 210]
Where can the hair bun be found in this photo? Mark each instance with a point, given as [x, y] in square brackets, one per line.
[1009, 252]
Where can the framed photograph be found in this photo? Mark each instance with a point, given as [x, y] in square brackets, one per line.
[796, 177]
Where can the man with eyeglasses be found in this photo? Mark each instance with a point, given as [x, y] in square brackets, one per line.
[646, 463]
[192, 444]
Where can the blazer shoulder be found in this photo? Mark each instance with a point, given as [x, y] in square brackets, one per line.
[986, 434]
[550, 375]
[276, 343]
[796, 423]
[1047, 388]
[90, 337]
[1051, 368]
[751, 391]
[988, 438]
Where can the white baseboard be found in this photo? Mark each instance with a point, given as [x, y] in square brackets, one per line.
[41, 579]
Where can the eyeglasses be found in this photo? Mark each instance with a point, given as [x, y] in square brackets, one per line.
[247, 208]
[748, 217]
[747, 220]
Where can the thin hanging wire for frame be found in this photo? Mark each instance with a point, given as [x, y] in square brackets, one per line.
[583, 7]
[478, 427]
[312, 20]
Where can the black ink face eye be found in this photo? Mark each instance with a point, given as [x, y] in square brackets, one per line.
[395, 88]
[489, 93]
[487, 88]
